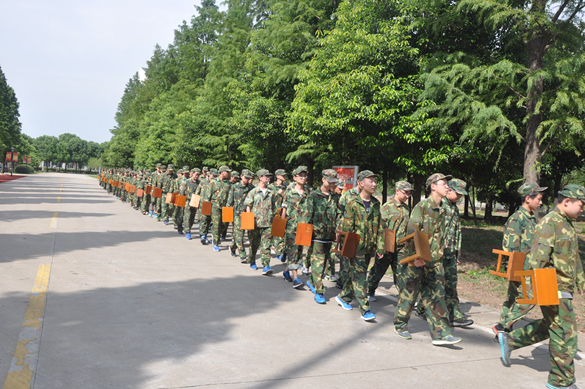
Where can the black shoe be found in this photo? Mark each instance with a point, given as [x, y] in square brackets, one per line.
[461, 322]
[233, 252]
[338, 284]
[420, 315]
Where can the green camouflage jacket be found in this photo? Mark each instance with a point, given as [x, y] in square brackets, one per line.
[299, 208]
[203, 184]
[324, 216]
[166, 182]
[394, 217]
[556, 245]
[263, 205]
[343, 200]
[275, 188]
[237, 197]
[452, 227]
[218, 192]
[190, 188]
[367, 225]
[430, 219]
[183, 186]
[519, 231]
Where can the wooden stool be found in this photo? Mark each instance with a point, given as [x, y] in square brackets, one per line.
[515, 264]
[139, 193]
[545, 290]
[227, 214]
[206, 208]
[278, 227]
[195, 200]
[349, 246]
[247, 221]
[157, 193]
[148, 189]
[304, 234]
[170, 198]
[389, 240]
[421, 245]
[180, 201]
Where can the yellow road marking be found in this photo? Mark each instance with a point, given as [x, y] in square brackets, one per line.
[25, 356]
[61, 190]
[54, 220]
[58, 200]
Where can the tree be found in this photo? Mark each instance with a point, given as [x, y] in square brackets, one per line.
[9, 123]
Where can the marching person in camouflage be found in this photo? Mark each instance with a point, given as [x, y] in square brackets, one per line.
[361, 215]
[146, 198]
[181, 188]
[298, 206]
[218, 194]
[279, 186]
[555, 245]
[162, 178]
[452, 246]
[394, 217]
[428, 278]
[262, 202]
[323, 219]
[518, 236]
[203, 191]
[236, 199]
[346, 197]
[190, 189]
[167, 182]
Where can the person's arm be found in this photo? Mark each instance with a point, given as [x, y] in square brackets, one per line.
[512, 234]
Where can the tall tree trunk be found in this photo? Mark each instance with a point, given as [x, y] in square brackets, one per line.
[488, 210]
[419, 182]
[558, 179]
[536, 47]
[384, 184]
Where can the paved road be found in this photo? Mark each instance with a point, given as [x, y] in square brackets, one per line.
[95, 295]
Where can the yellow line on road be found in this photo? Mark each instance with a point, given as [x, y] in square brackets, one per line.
[54, 220]
[58, 200]
[27, 348]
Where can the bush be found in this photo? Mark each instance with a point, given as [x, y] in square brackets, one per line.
[24, 169]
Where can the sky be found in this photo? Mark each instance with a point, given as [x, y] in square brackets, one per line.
[69, 61]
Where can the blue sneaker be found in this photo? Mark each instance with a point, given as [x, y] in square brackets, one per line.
[297, 283]
[166, 222]
[286, 276]
[215, 248]
[281, 257]
[253, 266]
[319, 298]
[343, 304]
[368, 316]
[150, 214]
[154, 215]
[181, 232]
[267, 271]
[504, 348]
[188, 236]
[311, 286]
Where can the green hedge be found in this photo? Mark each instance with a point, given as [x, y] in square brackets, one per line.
[24, 169]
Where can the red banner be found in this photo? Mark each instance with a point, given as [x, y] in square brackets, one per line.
[15, 157]
[8, 156]
[347, 174]
[28, 159]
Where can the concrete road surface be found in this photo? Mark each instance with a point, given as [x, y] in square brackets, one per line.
[95, 295]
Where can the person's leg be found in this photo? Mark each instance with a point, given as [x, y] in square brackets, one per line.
[318, 260]
[359, 280]
[451, 296]
[433, 299]
[412, 278]
[187, 219]
[255, 236]
[216, 221]
[265, 243]
[511, 296]
[377, 271]
[238, 240]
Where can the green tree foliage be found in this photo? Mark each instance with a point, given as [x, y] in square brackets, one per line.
[9, 123]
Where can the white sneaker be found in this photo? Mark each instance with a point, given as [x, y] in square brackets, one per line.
[332, 278]
[372, 298]
[306, 271]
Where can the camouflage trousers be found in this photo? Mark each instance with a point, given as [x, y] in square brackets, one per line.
[279, 245]
[158, 207]
[178, 217]
[218, 227]
[558, 324]
[260, 238]
[511, 310]
[355, 282]
[294, 253]
[162, 208]
[189, 218]
[320, 257]
[451, 296]
[108, 188]
[429, 281]
[329, 263]
[204, 224]
[379, 268]
[238, 237]
[145, 206]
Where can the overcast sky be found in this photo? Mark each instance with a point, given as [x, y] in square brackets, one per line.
[69, 61]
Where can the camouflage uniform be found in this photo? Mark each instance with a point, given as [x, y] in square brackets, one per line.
[203, 191]
[518, 236]
[236, 199]
[343, 261]
[299, 208]
[181, 188]
[556, 245]
[146, 198]
[264, 207]
[356, 219]
[167, 183]
[323, 219]
[451, 250]
[428, 279]
[190, 189]
[278, 242]
[394, 217]
[218, 194]
[160, 181]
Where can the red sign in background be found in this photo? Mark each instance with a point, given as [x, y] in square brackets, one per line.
[348, 174]
[15, 157]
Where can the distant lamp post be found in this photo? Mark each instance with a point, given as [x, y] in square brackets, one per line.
[12, 160]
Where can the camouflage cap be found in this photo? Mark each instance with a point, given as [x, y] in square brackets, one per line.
[330, 175]
[224, 168]
[180, 171]
[195, 170]
[458, 186]
[171, 166]
[364, 174]
[159, 164]
[437, 177]
[528, 188]
[573, 191]
[299, 170]
[163, 166]
[263, 172]
[185, 168]
[403, 185]
[247, 173]
[205, 169]
[235, 174]
[280, 172]
[213, 171]
[148, 171]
